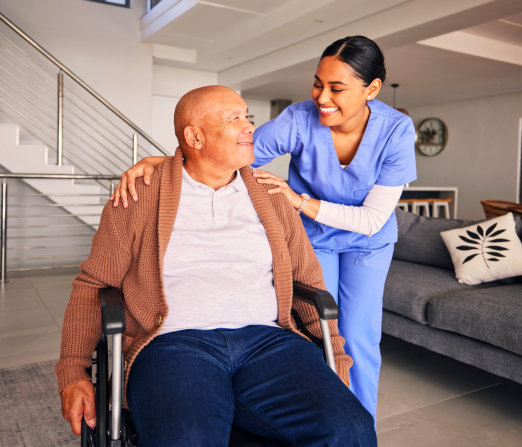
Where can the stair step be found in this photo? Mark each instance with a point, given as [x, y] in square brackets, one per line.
[9, 134]
[55, 190]
[32, 158]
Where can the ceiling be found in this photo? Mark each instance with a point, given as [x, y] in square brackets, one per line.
[436, 51]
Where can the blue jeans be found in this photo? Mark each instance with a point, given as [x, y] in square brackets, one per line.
[187, 388]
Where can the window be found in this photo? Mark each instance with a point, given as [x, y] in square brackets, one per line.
[124, 3]
[153, 3]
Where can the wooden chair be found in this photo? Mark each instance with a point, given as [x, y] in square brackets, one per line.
[494, 208]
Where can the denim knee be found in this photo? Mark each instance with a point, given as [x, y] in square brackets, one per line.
[355, 430]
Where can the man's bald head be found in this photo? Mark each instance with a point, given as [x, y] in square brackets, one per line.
[193, 107]
[214, 134]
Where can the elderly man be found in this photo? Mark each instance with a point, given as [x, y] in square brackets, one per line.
[206, 260]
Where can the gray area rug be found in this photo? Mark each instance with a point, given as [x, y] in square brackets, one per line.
[30, 410]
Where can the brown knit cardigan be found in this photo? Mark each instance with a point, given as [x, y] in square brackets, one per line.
[128, 250]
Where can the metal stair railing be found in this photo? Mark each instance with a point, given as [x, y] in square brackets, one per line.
[42, 235]
[46, 99]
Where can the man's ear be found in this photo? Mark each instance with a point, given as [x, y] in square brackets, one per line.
[193, 137]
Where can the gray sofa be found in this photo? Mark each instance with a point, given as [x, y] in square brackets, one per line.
[425, 305]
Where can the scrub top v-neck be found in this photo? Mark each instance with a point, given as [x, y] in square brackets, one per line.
[385, 157]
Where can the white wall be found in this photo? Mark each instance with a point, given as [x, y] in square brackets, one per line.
[175, 82]
[259, 109]
[481, 157]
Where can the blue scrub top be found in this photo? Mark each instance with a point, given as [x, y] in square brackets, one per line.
[386, 156]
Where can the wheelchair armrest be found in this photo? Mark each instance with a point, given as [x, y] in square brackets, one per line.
[327, 310]
[113, 316]
[320, 299]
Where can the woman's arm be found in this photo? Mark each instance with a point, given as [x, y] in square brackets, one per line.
[144, 168]
[366, 219]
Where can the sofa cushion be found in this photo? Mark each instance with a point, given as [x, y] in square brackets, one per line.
[411, 286]
[486, 251]
[419, 238]
[492, 315]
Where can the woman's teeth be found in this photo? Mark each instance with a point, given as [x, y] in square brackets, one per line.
[329, 109]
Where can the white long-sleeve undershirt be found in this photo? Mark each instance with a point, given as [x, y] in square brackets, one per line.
[366, 219]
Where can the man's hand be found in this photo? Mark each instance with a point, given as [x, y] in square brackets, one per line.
[144, 168]
[78, 402]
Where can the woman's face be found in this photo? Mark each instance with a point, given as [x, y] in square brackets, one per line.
[339, 95]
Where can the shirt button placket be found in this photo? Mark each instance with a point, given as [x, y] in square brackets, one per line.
[216, 198]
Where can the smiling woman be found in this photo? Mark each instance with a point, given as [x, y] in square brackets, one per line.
[350, 157]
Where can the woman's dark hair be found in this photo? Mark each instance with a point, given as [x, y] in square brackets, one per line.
[360, 53]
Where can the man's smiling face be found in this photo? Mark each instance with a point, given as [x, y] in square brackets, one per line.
[228, 134]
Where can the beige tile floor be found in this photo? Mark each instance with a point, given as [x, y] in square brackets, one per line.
[424, 400]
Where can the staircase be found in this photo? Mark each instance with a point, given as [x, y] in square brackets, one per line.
[63, 127]
[80, 200]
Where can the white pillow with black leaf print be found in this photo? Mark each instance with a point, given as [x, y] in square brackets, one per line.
[486, 251]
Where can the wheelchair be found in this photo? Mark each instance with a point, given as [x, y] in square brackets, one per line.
[113, 423]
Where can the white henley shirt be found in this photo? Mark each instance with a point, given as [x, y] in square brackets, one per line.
[217, 269]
